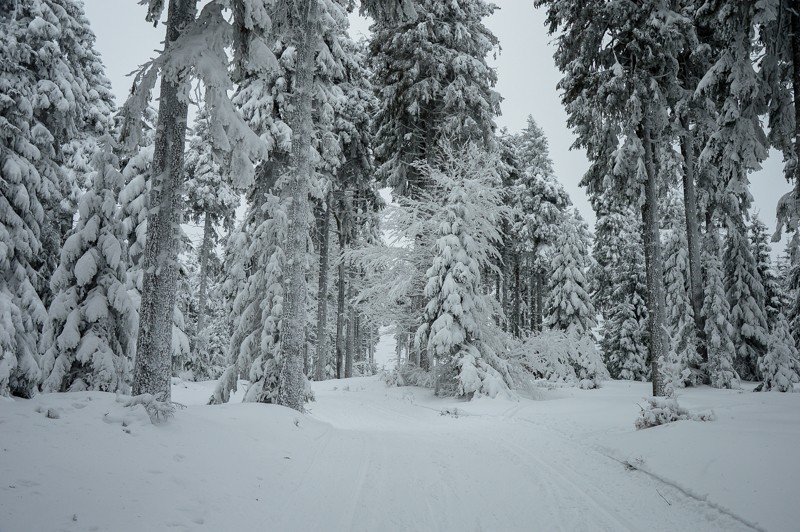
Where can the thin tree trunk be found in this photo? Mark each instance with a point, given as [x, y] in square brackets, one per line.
[340, 310]
[153, 365]
[794, 17]
[693, 234]
[654, 266]
[291, 380]
[517, 295]
[322, 292]
[350, 343]
[205, 252]
[506, 290]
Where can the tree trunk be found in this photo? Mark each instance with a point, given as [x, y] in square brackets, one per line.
[517, 295]
[322, 292]
[350, 343]
[654, 266]
[794, 17]
[291, 381]
[539, 280]
[153, 364]
[205, 252]
[340, 311]
[693, 235]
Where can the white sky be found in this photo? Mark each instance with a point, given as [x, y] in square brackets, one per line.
[526, 74]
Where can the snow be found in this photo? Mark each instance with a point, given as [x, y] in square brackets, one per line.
[371, 457]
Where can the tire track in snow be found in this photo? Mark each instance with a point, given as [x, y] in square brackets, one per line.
[707, 509]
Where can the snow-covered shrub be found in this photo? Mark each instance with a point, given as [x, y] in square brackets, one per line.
[662, 410]
[408, 375]
[559, 356]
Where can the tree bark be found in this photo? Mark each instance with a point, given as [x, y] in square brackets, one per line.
[291, 380]
[794, 17]
[517, 295]
[322, 292]
[693, 235]
[205, 252]
[351, 321]
[153, 364]
[340, 310]
[654, 266]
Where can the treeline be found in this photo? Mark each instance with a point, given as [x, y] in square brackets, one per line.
[481, 267]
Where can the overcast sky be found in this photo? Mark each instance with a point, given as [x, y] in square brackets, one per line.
[527, 82]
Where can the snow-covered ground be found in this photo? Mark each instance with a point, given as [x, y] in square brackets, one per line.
[368, 457]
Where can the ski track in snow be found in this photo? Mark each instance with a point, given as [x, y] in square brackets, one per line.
[364, 458]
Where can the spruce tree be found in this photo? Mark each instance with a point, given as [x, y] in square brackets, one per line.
[780, 366]
[55, 101]
[746, 297]
[624, 332]
[88, 340]
[684, 358]
[569, 306]
[455, 324]
[433, 80]
[719, 329]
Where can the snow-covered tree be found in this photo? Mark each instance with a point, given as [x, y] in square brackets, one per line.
[624, 341]
[780, 366]
[746, 297]
[54, 98]
[617, 76]
[774, 296]
[211, 199]
[457, 317]
[540, 209]
[718, 327]
[684, 360]
[569, 305]
[433, 80]
[88, 340]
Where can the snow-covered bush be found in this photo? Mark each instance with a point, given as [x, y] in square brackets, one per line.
[662, 410]
[558, 356]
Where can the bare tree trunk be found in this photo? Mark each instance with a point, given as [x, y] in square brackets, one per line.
[693, 234]
[517, 295]
[205, 252]
[340, 311]
[322, 292]
[153, 364]
[291, 381]
[539, 299]
[506, 289]
[654, 266]
[794, 17]
[351, 319]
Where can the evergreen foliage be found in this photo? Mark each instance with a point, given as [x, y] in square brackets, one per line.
[719, 329]
[88, 340]
[569, 305]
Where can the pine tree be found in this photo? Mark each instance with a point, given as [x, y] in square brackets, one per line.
[211, 198]
[624, 341]
[540, 205]
[569, 305]
[55, 100]
[746, 297]
[88, 341]
[456, 317]
[433, 81]
[618, 74]
[774, 297]
[719, 329]
[684, 358]
[780, 366]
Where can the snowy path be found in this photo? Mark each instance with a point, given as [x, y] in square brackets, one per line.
[371, 458]
[419, 470]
